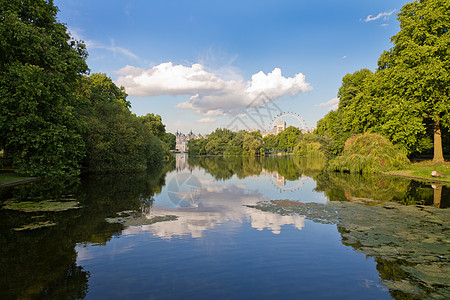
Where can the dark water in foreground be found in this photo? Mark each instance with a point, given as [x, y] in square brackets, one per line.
[196, 228]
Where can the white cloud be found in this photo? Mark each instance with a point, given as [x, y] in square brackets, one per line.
[332, 104]
[206, 120]
[210, 94]
[167, 79]
[384, 15]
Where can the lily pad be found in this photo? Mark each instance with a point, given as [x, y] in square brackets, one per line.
[414, 239]
[42, 206]
[133, 220]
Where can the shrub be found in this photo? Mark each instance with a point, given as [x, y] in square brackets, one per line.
[313, 145]
[369, 153]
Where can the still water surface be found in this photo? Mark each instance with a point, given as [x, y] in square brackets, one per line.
[208, 238]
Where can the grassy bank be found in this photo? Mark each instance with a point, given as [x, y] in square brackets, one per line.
[9, 177]
[422, 170]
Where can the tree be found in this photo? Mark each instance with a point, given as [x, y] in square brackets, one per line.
[171, 140]
[155, 124]
[353, 114]
[116, 140]
[39, 67]
[288, 138]
[251, 144]
[99, 88]
[271, 142]
[416, 71]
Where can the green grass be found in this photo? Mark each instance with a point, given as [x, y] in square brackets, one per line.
[423, 170]
[10, 177]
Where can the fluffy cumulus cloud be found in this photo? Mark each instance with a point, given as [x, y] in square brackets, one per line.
[209, 94]
[331, 104]
[167, 79]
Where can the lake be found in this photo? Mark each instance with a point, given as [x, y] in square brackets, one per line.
[226, 228]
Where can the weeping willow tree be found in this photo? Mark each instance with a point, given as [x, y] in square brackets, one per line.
[369, 153]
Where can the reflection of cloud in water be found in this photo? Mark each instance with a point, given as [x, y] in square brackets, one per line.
[217, 205]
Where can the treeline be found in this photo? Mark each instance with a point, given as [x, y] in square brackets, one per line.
[54, 119]
[115, 139]
[226, 142]
[407, 98]
[225, 167]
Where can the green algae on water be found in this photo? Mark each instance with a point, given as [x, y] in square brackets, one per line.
[41, 206]
[412, 242]
[129, 218]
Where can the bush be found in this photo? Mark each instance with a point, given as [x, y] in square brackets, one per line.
[369, 153]
[313, 145]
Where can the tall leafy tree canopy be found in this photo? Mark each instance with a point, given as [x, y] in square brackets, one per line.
[156, 125]
[416, 71]
[39, 67]
[116, 139]
[407, 98]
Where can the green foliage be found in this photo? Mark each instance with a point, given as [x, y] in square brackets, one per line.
[155, 124]
[407, 99]
[197, 147]
[312, 145]
[170, 139]
[271, 142]
[116, 140]
[417, 68]
[288, 138]
[224, 141]
[99, 88]
[252, 145]
[369, 153]
[39, 66]
[348, 119]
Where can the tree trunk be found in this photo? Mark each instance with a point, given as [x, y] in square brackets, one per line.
[438, 153]
[437, 195]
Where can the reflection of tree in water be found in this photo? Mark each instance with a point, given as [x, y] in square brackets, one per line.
[41, 263]
[379, 188]
[224, 167]
[285, 166]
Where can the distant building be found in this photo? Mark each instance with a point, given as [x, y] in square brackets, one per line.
[281, 126]
[253, 130]
[183, 139]
[308, 130]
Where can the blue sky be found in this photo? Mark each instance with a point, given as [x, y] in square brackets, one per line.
[200, 64]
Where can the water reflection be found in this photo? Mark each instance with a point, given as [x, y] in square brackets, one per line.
[218, 204]
[375, 188]
[209, 192]
[42, 263]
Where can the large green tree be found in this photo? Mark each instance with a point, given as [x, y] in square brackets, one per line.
[39, 67]
[116, 140]
[415, 72]
[155, 124]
